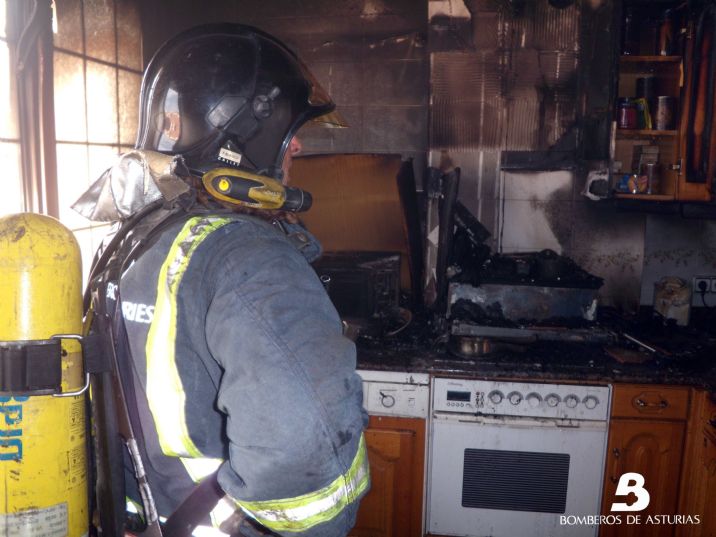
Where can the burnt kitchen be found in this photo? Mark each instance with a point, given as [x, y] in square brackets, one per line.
[492, 379]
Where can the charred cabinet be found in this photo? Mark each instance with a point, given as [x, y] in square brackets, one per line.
[663, 112]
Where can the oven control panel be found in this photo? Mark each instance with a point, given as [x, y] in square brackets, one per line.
[562, 401]
[390, 394]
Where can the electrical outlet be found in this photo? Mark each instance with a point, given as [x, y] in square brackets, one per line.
[702, 284]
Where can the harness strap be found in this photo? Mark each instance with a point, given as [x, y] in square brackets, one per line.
[35, 367]
[31, 367]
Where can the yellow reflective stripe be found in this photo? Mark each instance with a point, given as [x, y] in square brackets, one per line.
[165, 392]
[201, 467]
[308, 510]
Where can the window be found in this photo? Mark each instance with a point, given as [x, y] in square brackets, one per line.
[12, 199]
[97, 76]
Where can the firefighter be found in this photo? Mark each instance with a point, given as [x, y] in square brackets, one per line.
[235, 353]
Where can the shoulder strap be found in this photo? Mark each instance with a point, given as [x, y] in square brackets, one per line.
[114, 408]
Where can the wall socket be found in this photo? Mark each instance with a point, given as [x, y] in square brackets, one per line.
[704, 284]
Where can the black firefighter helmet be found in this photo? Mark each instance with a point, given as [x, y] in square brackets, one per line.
[228, 94]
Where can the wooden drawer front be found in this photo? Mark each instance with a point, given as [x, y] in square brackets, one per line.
[645, 401]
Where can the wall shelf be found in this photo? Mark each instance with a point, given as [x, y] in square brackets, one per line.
[644, 133]
[644, 197]
[629, 59]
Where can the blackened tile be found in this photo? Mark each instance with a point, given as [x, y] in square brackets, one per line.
[395, 129]
[487, 30]
[342, 80]
[599, 226]
[396, 82]
[410, 44]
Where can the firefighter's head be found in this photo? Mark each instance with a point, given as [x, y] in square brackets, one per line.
[228, 95]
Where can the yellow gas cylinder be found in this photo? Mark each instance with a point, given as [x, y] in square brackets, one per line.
[43, 444]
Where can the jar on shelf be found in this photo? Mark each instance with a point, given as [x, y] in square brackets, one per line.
[627, 114]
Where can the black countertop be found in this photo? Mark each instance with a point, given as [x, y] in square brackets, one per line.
[544, 361]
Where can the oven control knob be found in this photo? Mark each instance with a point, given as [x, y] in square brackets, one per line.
[571, 401]
[534, 399]
[552, 399]
[387, 400]
[591, 402]
[515, 398]
[496, 397]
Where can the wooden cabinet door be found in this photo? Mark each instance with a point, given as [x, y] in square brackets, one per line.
[393, 507]
[708, 467]
[698, 484]
[652, 448]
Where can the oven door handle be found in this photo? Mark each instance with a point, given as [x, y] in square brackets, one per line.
[518, 421]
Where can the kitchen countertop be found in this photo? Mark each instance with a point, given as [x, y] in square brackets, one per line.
[544, 361]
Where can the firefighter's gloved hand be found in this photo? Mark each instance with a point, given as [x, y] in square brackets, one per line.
[239, 525]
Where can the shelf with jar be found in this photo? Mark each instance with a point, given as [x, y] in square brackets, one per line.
[628, 60]
[645, 149]
[661, 105]
[645, 133]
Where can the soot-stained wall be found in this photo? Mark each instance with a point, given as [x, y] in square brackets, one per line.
[513, 105]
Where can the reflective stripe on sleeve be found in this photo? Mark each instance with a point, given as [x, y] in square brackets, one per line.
[200, 467]
[303, 512]
[165, 392]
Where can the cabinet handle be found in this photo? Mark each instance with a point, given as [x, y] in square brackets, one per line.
[643, 404]
[615, 467]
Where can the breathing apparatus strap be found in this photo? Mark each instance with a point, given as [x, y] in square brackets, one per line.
[35, 367]
[31, 367]
[114, 404]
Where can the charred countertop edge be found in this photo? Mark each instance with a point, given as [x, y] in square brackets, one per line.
[592, 372]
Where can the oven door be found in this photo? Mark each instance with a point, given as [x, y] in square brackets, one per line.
[502, 477]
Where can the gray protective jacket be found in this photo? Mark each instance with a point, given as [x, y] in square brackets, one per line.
[240, 364]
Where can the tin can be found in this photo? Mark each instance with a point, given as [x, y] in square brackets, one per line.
[665, 113]
[651, 171]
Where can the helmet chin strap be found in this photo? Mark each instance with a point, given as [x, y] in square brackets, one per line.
[242, 188]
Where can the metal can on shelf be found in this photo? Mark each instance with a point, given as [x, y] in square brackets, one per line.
[665, 113]
[651, 170]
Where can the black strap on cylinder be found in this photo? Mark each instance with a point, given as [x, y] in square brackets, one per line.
[35, 367]
[31, 367]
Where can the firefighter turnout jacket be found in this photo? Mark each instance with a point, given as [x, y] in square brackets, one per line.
[239, 363]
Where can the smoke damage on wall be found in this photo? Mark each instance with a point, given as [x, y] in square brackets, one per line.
[513, 100]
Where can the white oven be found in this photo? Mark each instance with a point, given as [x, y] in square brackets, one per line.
[509, 459]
